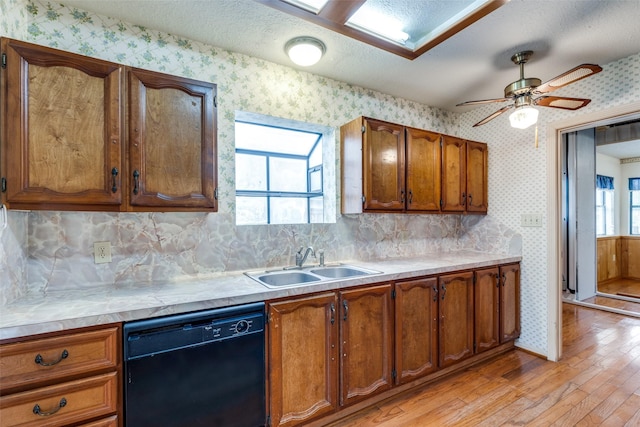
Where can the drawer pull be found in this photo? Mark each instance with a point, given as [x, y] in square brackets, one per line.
[38, 411]
[63, 356]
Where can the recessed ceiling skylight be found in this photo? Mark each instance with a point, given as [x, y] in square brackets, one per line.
[407, 28]
[311, 5]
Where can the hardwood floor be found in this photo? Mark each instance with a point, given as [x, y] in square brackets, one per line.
[624, 287]
[596, 383]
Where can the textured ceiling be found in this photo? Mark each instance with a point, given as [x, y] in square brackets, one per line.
[473, 64]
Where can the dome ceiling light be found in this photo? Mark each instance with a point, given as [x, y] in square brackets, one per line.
[305, 51]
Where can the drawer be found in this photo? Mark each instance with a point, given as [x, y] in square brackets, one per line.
[37, 362]
[106, 422]
[62, 404]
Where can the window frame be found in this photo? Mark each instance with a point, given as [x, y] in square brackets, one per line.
[632, 209]
[269, 194]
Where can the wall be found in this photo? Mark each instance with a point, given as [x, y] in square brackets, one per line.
[55, 247]
[518, 175]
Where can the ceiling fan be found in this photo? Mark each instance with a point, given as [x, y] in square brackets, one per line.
[522, 92]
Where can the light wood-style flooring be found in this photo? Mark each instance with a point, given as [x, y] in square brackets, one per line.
[596, 383]
[623, 287]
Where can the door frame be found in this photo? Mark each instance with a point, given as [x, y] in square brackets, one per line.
[554, 211]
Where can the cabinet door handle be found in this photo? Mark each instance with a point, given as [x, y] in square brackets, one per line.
[40, 412]
[136, 177]
[504, 279]
[444, 290]
[41, 362]
[497, 280]
[114, 183]
[470, 198]
[346, 309]
[464, 198]
[435, 293]
[402, 196]
[410, 196]
[333, 313]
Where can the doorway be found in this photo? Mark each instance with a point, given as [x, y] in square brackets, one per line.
[555, 248]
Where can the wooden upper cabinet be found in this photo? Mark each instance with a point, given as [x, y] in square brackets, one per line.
[366, 340]
[464, 175]
[477, 186]
[383, 166]
[487, 309]
[62, 129]
[423, 170]
[171, 142]
[303, 367]
[456, 329]
[509, 302]
[454, 178]
[63, 141]
[416, 328]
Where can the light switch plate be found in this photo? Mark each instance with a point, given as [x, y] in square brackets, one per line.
[531, 220]
[102, 252]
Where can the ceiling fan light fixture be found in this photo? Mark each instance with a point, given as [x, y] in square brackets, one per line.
[523, 117]
[305, 51]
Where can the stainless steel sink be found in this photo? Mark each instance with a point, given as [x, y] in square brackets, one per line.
[342, 271]
[287, 278]
[302, 276]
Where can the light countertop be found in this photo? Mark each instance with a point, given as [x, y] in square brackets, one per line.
[63, 310]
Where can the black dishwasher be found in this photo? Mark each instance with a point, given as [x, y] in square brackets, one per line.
[203, 369]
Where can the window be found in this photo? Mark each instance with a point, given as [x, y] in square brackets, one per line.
[279, 171]
[604, 206]
[634, 198]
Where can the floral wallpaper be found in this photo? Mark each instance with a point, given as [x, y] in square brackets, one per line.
[54, 249]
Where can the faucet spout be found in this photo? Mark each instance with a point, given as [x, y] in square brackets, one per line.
[301, 258]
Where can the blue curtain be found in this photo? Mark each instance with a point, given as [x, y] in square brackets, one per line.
[634, 184]
[605, 182]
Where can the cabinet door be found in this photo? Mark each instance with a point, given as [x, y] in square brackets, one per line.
[423, 170]
[383, 166]
[303, 371]
[509, 302]
[477, 157]
[456, 317]
[61, 129]
[416, 326]
[454, 180]
[171, 142]
[366, 340]
[487, 314]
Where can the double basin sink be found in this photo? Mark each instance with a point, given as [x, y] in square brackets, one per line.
[306, 275]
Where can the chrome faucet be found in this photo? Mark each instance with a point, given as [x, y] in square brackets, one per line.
[301, 258]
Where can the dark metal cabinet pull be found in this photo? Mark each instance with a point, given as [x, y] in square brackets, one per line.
[504, 279]
[444, 290]
[464, 198]
[435, 292]
[136, 177]
[333, 313]
[40, 412]
[41, 362]
[346, 309]
[114, 183]
[497, 280]
[402, 196]
[410, 196]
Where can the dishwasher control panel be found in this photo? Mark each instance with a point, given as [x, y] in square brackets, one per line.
[153, 336]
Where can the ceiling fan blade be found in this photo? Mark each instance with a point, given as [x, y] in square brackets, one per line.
[483, 101]
[578, 73]
[562, 102]
[493, 116]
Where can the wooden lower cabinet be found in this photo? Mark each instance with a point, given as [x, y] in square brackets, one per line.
[366, 342]
[303, 367]
[509, 302]
[331, 350]
[70, 378]
[455, 335]
[416, 327]
[487, 309]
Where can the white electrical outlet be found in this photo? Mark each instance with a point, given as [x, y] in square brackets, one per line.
[102, 252]
[531, 220]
